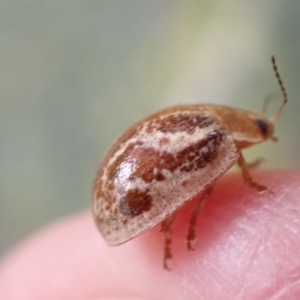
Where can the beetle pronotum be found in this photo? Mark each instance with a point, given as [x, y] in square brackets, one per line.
[167, 159]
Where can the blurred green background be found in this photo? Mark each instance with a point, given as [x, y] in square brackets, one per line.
[75, 74]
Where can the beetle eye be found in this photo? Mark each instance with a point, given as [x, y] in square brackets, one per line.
[263, 126]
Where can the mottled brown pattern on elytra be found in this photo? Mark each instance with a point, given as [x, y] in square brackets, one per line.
[113, 169]
[148, 163]
[194, 157]
[135, 202]
[164, 141]
[159, 177]
[108, 188]
[104, 190]
[187, 122]
[131, 132]
[141, 158]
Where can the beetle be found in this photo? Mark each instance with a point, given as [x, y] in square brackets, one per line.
[169, 158]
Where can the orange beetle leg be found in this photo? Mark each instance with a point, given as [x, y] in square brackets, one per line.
[191, 237]
[256, 163]
[248, 179]
[166, 229]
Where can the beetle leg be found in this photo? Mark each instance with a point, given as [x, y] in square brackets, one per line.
[191, 236]
[166, 229]
[256, 163]
[248, 179]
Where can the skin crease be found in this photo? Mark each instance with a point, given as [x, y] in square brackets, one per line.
[247, 248]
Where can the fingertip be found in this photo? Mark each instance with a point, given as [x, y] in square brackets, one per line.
[119, 298]
[244, 239]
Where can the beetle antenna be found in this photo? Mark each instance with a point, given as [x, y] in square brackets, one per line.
[284, 93]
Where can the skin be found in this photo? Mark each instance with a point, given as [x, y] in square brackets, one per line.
[247, 248]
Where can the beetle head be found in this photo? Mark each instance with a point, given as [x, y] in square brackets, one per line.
[267, 125]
